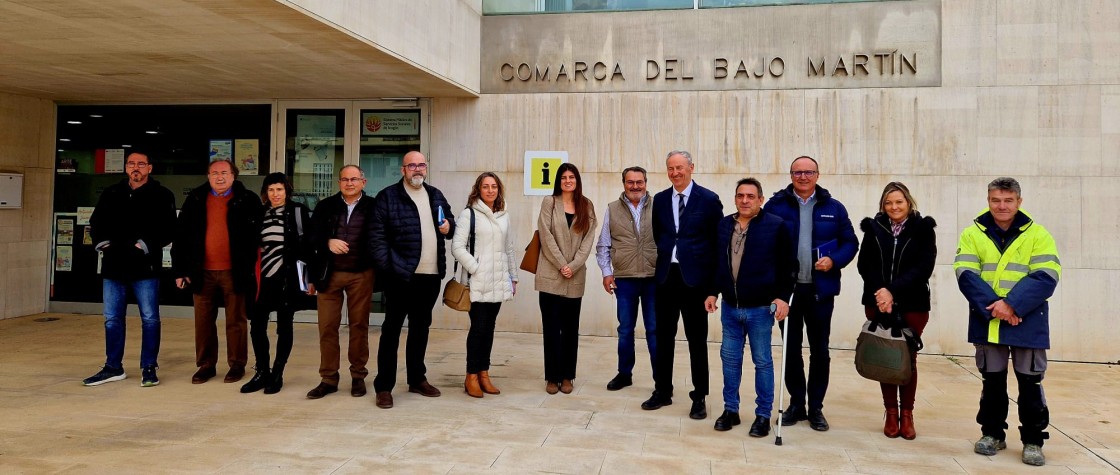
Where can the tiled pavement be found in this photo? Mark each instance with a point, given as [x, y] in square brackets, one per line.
[49, 422]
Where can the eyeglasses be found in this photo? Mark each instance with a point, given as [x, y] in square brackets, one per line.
[220, 174]
[135, 164]
[351, 180]
[416, 166]
[634, 183]
[804, 173]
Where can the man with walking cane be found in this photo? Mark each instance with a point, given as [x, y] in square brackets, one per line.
[755, 267]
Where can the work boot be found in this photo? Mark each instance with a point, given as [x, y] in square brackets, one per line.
[471, 385]
[988, 445]
[1032, 455]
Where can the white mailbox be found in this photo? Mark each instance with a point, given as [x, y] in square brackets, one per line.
[11, 190]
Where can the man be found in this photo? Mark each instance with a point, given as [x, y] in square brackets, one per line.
[409, 226]
[684, 226]
[627, 255]
[826, 243]
[131, 224]
[215, 256]
[1007, 267]
[343, 266]
[755, 269]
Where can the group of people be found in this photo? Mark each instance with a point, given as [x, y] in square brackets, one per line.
[673, 255]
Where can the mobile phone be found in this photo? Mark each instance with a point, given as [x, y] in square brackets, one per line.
[440, 216]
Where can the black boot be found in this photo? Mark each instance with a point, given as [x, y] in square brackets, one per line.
[260, 379]
[276, 382]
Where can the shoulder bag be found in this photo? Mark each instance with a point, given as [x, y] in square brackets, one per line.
[883, 350]
[457, 295]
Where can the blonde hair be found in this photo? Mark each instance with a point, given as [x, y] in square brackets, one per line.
[901, 188]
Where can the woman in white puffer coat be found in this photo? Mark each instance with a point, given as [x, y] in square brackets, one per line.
[492, 273]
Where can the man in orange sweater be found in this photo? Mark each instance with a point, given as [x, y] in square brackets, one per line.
[215, 255]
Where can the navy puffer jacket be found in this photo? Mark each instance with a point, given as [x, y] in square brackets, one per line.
[395, 234]
[830, 221]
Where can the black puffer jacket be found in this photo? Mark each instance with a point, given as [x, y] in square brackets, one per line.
[396, 231]
[328, 214]
[903, 265]
[124, 217]
[243, 220]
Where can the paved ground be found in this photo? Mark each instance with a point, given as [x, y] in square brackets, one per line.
[49, 422]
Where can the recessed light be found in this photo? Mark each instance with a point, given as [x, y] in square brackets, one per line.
[63, 140]
[61, 150]
[126, 146]
[150, 132]
[74, 122]
[96, 116]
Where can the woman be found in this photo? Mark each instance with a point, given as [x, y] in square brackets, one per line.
[491, 273]
[896, 261]
[566, 225]
[284, 240]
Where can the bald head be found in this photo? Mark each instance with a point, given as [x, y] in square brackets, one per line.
[414, 168]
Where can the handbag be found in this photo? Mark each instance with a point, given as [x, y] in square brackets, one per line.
[532, 254]
[457, 295]
[883, 351]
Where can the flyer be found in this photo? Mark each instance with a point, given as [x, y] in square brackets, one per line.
[84, 213]
[114, 160]
[221, 150]
[63, 258]
[247, 156]
[65, 231]
[87, 237]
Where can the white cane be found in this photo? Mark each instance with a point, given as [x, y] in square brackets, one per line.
[782, 377]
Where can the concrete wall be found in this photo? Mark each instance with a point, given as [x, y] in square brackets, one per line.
[441, 36]
[1030, 89]
[26, 146]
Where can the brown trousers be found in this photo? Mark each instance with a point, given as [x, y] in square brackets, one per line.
[217, 288]
[358, 287]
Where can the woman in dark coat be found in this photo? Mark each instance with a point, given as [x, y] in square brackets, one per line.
[284, 240]
[896, 260]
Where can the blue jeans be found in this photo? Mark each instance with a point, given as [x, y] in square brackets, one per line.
[114, 293]
[740, 325]
[628, 293]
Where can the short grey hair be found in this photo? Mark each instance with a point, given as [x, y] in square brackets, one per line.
[360, 172]
[683, 153]
[1005, 183]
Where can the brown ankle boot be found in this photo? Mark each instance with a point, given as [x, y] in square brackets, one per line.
[471, 386]
[907, 425]
[487, 385]
[890, 427]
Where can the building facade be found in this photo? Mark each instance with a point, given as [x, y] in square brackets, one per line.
[943, 95]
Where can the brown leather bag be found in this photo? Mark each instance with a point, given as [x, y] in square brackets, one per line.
[532, 254]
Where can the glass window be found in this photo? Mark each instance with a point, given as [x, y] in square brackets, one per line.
[755, 3]
[387, 134]
[315, 151]
[497, 7]
[180, 140]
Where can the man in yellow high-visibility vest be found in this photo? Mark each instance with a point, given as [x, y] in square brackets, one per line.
[1007, 267]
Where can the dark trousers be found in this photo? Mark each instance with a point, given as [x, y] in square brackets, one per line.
[358, 290]
[677, 301]
[413, 300]
[1029, 366]
[271, 296]
[811, 315]
[217, 288]
[892, 394]
[480, 338]
[560, 326]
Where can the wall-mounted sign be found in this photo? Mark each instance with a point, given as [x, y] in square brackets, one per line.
[843, 45]
[390, 123]
[540, 171]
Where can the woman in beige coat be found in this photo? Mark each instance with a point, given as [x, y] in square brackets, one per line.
[566, 224]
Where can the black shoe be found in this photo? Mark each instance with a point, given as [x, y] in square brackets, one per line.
[358, 387]
[699, 410]
[761, 427]
[793, 415]
[321, 390]
[258, 382]
[275, 383]
[817, 420]
[727, 420]
[656, 401]
[620, 381]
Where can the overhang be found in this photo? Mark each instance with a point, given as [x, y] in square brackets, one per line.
[196, 50]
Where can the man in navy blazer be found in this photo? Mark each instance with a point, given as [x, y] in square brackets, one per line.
[826, 243]
[685, 217]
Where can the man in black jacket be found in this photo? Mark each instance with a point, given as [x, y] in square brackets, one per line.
[130, 226]
[343, 265]
[215, 256]
[409, 226]
[755, 273]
